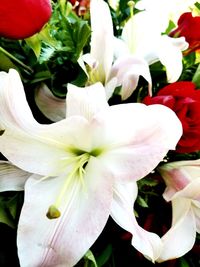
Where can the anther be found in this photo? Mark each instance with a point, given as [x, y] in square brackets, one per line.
[53, 212]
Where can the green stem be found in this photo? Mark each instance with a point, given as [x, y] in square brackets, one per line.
[15, 59]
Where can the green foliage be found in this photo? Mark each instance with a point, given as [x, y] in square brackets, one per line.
[196, 77]
[52, 54]
[103, 258]
[10, 205]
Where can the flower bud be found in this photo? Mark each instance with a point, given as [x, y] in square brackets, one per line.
[23, 18]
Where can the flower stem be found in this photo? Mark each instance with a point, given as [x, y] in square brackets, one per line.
[15, 59]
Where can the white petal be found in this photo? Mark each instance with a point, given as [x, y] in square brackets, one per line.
[127, 70]
[11, 177]
[43, 153]
[141, 32]
[120, 48]
[52, 107]
[146, 242]
[102, 37]
[136, 137]
[15, 113]
[87, 101]
[170, 56]
[84, 212]
[181, 236]
[196, 210]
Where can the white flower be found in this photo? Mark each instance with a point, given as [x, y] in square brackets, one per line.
[81, 169]
[183, 190]
[143, 36]
[101, 60]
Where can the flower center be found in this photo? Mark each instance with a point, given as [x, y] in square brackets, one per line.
[79, 162]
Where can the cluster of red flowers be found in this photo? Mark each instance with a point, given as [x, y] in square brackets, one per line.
[182, 97]
[184, 100]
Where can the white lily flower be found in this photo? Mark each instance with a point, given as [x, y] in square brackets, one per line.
[100, 57]
[167, 10]
[100, 60]
[183, 190]
[82, 167]
[143, 36]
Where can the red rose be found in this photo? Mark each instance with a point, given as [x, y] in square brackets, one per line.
[184, 100]
[20, 19]
[189, 27]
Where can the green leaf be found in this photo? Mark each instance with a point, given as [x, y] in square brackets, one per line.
[142, 202]
[9, 208]
[183, 263]
[89, 259]
[104, 256]
[4, 218]
[197, 5]
[80, 36]
[74, 37]
[35, 44]
[196, 77]
[41, 76]
[6, 63]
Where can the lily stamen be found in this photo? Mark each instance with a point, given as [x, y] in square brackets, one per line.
[77, 172]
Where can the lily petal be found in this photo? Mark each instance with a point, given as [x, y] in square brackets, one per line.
[178, 175]
[86, 101]
[63, 241]
[190, 191]
[135, 152]
[102, 38]
[15, 113]
[146, 242]
[196, 210]
[11, 177]
[170, 55]
[52, 107]
[49, 146]
[181, 236]
[127, 70]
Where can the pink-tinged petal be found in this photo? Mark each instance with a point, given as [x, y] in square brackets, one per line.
[175, 180]
[84, 213]
[87, 101]
[177, 175]
[190, 191]
[127, 70]
[11, 177]
[52, 107]
[102, 38]
[170, 55]
[146, 242]
[136, 137]
[181, 236]
[14, 109]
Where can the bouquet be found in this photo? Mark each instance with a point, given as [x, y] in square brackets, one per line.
[100, 133]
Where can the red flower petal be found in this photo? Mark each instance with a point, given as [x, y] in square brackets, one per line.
[182, 88]
[20, 19]
[189, 27]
